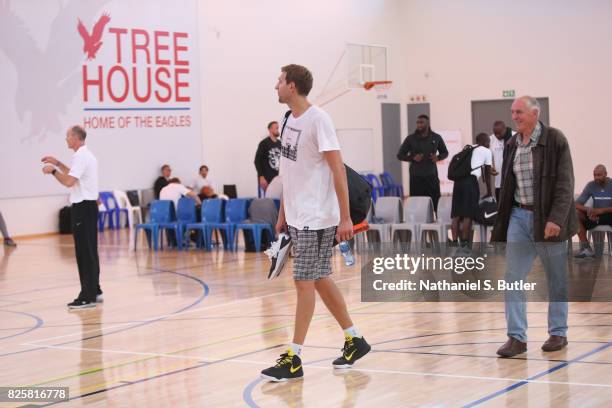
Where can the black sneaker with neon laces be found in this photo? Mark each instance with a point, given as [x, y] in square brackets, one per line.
[354, 348]
[288, 367]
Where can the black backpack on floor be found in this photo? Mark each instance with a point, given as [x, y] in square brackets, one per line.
[359, 189]
[460, 165]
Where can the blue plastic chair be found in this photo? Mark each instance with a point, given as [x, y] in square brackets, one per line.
[113, 210]
[257, 211]
[377, 188]
[235, 213]
[391, 187]
[185, 214]
[162, 211]
[212, 211]
[102, 217]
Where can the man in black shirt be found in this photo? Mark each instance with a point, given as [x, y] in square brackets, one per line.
[267, 158]
[162, 181]
[423, 149]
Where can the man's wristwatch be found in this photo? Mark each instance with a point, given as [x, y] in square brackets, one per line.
[54, 171]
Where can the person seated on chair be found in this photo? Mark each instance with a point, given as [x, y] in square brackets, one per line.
[600, 190]
[175, 190]
[466, 193]
[203, 185]
[162, 181]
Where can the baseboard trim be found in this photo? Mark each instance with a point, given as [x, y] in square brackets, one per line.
[34, 236]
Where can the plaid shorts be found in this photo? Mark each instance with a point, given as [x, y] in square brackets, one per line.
[313, 250]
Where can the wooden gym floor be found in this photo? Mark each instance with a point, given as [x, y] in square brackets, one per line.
[195, 328]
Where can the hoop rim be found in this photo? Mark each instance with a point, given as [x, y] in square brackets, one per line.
[375, 84]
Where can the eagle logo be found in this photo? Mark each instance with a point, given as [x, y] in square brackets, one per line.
[92, 43]
[48, 74]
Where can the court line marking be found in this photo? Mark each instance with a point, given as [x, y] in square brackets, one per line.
[201, 359]
[161, 317]
[489, 356]
[532, 379]
[197, 301]
[408, 350]
[160, 375]
[124, 363]
[39, 323]
[248, 390]
[368, 370]
[222, 317]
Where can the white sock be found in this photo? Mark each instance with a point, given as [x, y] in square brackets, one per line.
[296, 349]
[352, 331]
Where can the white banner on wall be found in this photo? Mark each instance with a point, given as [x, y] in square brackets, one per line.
[452, 140]
[128, 71]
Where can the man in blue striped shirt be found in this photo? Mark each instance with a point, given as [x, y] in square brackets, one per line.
[600, 213]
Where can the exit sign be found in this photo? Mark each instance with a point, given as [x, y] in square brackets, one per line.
[508, 94]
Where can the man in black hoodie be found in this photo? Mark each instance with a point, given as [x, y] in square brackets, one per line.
[267, 158]
[423, 149]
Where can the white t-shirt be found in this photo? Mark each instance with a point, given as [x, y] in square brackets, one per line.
[174, 192]
[481, 156]
[497, 149]
[84, 168]
[201, 182]
[309, 195]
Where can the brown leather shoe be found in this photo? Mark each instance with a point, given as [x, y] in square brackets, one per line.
[554, 343]
[511, 348]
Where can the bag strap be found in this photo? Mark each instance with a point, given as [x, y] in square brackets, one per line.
[482, 172]
[285, 122]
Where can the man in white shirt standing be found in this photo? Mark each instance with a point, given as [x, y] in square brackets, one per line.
[466, 193]
[82, 180]
[314, 209]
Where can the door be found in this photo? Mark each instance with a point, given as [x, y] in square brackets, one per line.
[392, 139]
[485, 113]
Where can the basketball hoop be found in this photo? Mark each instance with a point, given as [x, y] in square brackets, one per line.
[380, 86]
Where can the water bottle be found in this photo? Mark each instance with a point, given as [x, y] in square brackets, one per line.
[345, 249]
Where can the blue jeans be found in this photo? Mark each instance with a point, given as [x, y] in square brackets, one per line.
[521, 252]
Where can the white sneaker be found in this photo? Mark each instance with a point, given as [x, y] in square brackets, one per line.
[278, 254]
[100, 298]
[585, 253]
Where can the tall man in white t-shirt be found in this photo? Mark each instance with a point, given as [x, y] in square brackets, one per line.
[466, 193]
[82, 180]
[314, 209]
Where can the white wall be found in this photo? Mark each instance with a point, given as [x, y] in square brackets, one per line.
[244, 45]
[472, 50]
